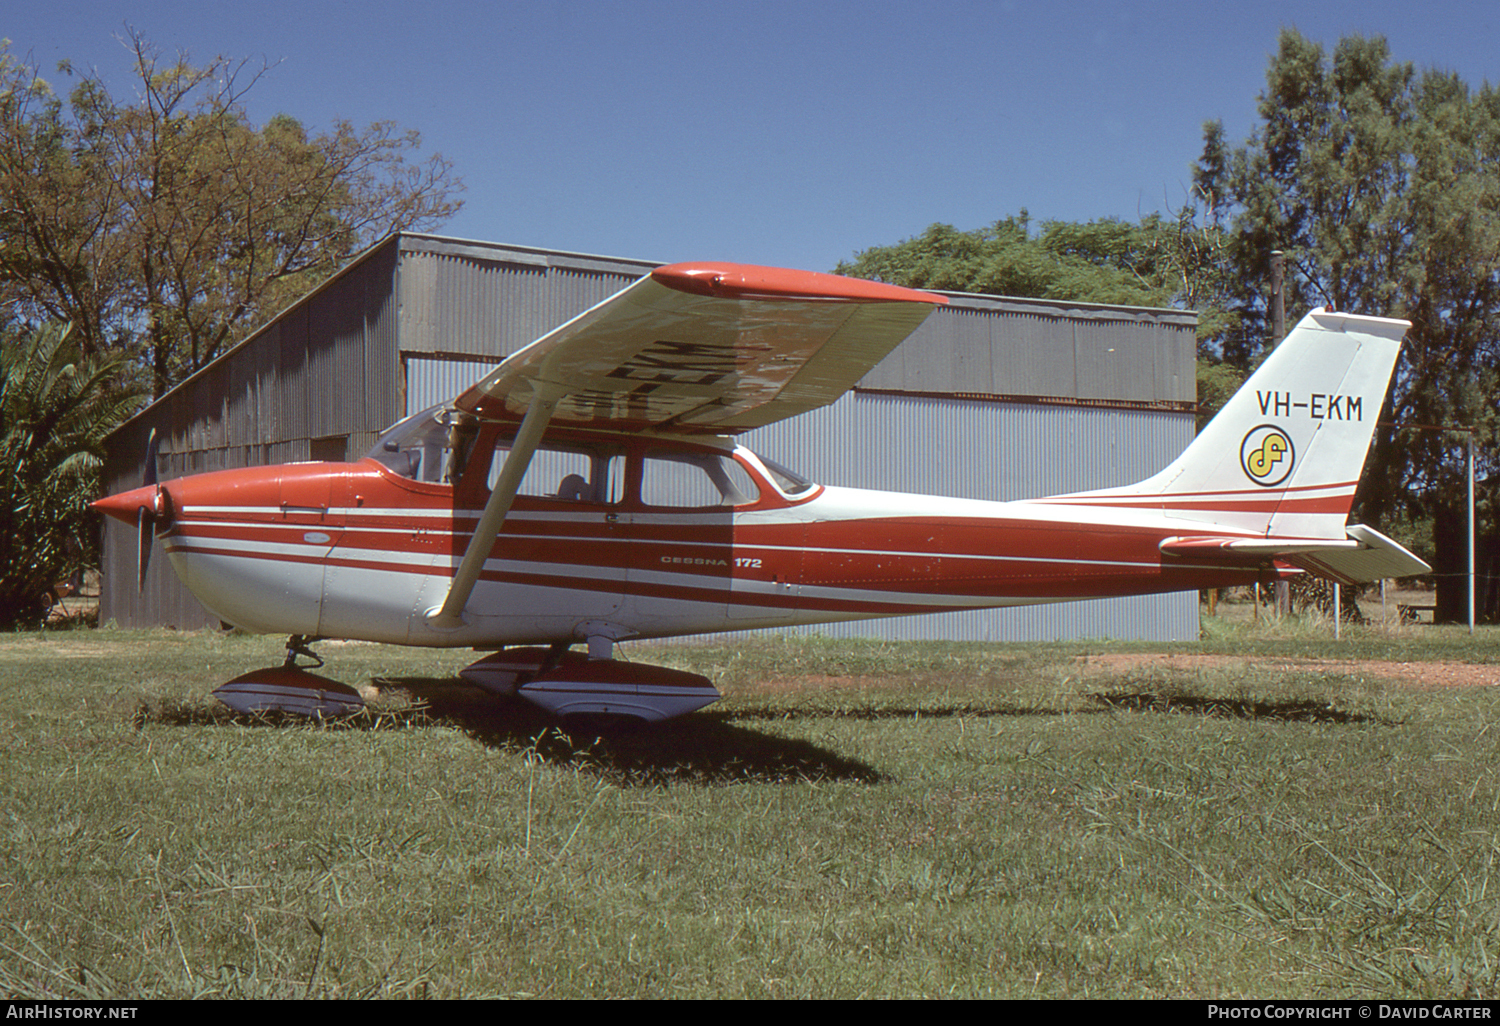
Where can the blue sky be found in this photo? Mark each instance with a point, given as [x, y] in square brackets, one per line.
[772, 132]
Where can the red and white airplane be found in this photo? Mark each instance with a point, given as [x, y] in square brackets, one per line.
[589, 490]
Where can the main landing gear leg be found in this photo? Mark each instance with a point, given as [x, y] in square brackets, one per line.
[289, 688]
[502, 672]
[297, 645]
[556, 653]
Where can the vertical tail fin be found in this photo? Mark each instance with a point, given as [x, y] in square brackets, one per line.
[1283, 457]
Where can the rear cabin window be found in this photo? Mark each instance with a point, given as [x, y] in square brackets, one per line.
[789, 481]
[695, 480]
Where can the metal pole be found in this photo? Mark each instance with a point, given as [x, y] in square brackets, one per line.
[1278, 295]
[1471, 532]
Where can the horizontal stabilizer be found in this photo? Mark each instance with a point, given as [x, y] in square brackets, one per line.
[1376, 558]
[1365, 555]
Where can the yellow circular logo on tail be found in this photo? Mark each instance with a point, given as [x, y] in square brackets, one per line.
[1267, 456]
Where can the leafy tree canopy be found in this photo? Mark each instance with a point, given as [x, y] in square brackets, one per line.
[1155, 262]
[57, 404]
[1382, 186]
[168, 225]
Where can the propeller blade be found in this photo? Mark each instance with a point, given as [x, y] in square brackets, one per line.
[145, 541]
[153, 443]
[145, 521]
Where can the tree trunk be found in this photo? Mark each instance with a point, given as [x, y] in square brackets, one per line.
[1487, 583]
[1450, 541]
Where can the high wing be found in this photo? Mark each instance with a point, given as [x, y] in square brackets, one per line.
[689, 349]
[706, 348]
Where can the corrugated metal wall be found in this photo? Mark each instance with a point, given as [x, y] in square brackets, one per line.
[418, 318]
[432, 380]
[1030, 348]
[324, 371]
[465, 298]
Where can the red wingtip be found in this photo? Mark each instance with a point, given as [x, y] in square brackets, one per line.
[746, 281]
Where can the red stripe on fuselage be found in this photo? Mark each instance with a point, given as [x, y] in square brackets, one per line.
[965, 560]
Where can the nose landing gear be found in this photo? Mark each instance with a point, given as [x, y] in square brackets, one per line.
[291, 689]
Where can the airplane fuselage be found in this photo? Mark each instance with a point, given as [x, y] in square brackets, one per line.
[357, 551]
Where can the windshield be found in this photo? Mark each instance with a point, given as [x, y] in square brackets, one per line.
[429, 446]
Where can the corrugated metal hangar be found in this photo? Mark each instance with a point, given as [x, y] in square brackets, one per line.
[992, 398]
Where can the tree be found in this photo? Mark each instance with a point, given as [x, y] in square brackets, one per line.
[1382, 186]
[1175, 261]
[56, 407]
[1158, 261]
[1091, 263]
[169, 225]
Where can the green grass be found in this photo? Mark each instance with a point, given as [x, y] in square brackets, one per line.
[854, 819]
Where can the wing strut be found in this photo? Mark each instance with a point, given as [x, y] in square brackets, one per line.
[449, 616]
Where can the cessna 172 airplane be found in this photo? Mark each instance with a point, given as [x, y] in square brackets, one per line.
[589, 491]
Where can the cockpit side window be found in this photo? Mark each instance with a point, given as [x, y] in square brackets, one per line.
[572, 473]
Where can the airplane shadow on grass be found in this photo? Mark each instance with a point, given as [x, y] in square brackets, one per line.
[702, 748]
[707, 747]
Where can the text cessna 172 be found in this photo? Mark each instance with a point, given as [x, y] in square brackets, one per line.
[589, 491]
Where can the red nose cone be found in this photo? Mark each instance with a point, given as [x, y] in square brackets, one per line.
[126, 506]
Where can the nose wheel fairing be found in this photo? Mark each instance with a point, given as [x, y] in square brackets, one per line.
[289, 689]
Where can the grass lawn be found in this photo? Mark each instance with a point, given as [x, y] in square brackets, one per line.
[1288, 818]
